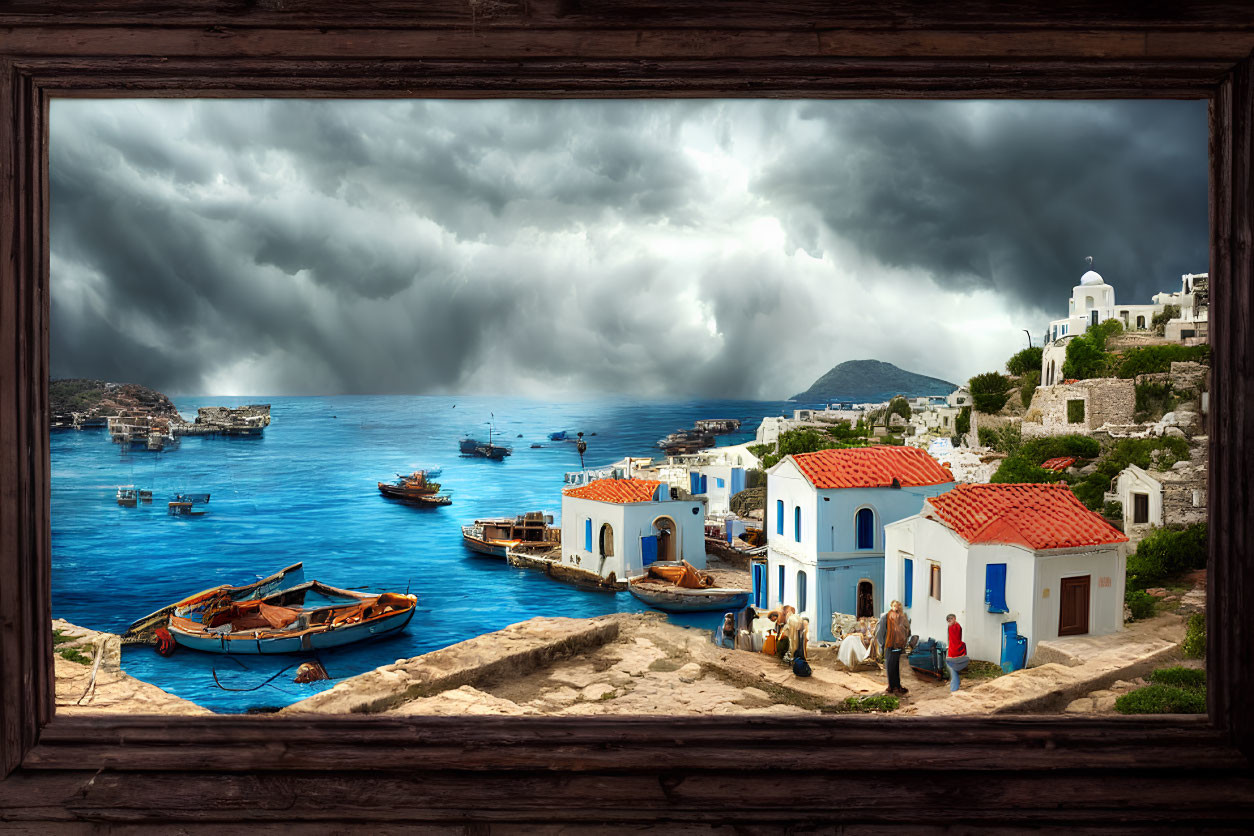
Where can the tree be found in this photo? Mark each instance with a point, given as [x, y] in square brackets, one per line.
[1159, 321]
[1025, 361]
[1085, 359]
[989, 391]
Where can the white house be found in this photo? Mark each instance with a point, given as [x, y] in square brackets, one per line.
[1026, 560]
[616, 527]
[1141, 496]
[825, 521]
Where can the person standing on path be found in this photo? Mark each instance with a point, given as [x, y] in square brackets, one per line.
[956, 656]
[893, 633]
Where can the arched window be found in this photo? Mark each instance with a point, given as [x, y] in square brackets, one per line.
[801, 590]
[866, 529]
[607, 541]
[779, 516]
[796, 523]
[780, 592]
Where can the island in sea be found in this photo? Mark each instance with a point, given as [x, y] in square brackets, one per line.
[870, 381]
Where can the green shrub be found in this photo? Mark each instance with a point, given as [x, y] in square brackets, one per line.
[1024, 464]
[1159, 322]
[1103, 331]
[962, 424]
[1194, 646]
[73, 654]
[1026, 361]
[1140, 603]
[898, 406]
[1027, 387]
[1152, 359]
[1179, 677]
[1162, 699]
[1167, 552]
[876, 702]
[988, 437]
[1085, 359]
[1113, 510]
[1154, 400]
[755, 478]
[989, 392]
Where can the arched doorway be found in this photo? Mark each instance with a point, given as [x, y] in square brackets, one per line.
[866, 599]
[605, 541]
[666, 531]
[1140, 323]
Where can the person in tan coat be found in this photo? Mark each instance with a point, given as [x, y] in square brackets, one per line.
[893, 634]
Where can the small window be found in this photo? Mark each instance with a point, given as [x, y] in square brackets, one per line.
[907, 574]
[933, 586]
[1075, 412]
[587, 535]
[779, 516]
[865, 524]
[718, 480]
[796, 523]
[801, 591]
[1140, 508]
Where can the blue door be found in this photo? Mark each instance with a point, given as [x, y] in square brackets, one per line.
[759, 584]
[648, 550]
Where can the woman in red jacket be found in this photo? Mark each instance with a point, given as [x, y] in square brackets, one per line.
[956, 657]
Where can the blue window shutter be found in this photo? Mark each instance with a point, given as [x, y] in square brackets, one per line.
[909, 572]
[759, 585]
[718, 482]
[694, 482]
[995, 587]
[779, 517]
[780, 591]
[796, 523]
[704, 484]
[801, 590]
[738, 479]
[587, 535]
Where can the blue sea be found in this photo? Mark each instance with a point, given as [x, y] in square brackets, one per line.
[306, 491]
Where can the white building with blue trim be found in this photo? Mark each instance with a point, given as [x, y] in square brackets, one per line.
[825, 519]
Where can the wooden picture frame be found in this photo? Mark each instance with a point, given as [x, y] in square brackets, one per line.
[695, 774]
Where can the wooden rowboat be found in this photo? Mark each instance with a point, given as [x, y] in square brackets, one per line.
[670, 598]
[311, 616]
[195, 604]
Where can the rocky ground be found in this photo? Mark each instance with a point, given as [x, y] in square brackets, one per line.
[89, 678]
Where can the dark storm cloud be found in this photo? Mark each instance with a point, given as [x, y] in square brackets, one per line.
[579, 247]
[1010, 196]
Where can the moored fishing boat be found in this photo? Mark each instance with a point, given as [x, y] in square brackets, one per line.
[184, 504]
[309, 616]
[128, 497]
[293, 575]
[527, 532]
[415, 489]
[682, 588]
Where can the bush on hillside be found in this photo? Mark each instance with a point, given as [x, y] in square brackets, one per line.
[1178, 677]
[1166, 553]
[1027, 387]
[962, 424]
[1153, 400]
[1154, 359]
[1140, 603]
[1025, 361]
[989, 392]
[1194, 646]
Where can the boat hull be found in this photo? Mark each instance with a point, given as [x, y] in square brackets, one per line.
[293, 575]
[485, 547]
[260, 645]
[691, 600]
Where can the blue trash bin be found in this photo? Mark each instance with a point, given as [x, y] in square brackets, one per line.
[1014, 647]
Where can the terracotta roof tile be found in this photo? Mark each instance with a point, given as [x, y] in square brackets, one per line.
[616, 490]
[1059, 464]
[1036, 516]
[871, 467]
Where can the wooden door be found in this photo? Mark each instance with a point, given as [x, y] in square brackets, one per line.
[1073, 606]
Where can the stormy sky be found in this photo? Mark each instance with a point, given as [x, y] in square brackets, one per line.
[576, 248]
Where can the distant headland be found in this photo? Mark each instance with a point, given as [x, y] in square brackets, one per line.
[870, 381]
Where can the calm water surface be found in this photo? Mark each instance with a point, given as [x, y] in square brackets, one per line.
[306, 492]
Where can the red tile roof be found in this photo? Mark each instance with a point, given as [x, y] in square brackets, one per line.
[871, 467]
[616, 490]
[1059, 464]
[1036, 516]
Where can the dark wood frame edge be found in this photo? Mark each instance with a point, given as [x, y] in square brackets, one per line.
[106, 769]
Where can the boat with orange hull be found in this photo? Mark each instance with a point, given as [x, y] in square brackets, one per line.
[415, 489]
